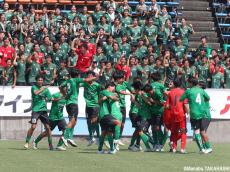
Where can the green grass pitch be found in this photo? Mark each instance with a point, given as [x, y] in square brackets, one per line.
[13, 158]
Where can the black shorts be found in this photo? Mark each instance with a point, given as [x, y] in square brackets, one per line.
[72, 110]
[142, 124]
[60, 123]
[156, 120]
[133, 119]
[196, 124]
[42, 115]
[205, 124]
[91, 112]
[107, 123]
[123, 112]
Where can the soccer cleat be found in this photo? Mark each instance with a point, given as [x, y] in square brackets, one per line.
[106, 143]
[112, 152]
[161, 149]
[173, 150]
[26, 145]
[183, 151]
[64, 141]
[155, 148]
[121, 143]
[133, 148]
[72, 142]
[158, 148]
[90, 142]
[35, 146]
[203, 151]
[100, 152]
[138, 148]
[61, 148]
[209, 150]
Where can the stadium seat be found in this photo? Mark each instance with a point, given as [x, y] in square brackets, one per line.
[51, 1]
[11, 1]
[225, 36]
[171, 4]
[91, 2]
[66, 2]
[24, 1]
[37, 1]
[221, 14]
[79, 2]
[65, 11]
[224, 25]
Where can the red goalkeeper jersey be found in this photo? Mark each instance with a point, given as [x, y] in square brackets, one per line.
[176, 107]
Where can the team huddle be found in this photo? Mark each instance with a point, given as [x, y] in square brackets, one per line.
[155, 112]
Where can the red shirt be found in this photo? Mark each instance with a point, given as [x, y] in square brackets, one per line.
[7, 53]
[84, 60]
[176, 107]
[40, 58]
[212, 69]
[125, 68]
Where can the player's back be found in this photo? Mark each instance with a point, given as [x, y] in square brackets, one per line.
[176, 107]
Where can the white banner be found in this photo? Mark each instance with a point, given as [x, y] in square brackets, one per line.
[17, 102]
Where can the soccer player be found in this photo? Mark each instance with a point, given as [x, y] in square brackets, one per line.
[91, 94]
[40, 95]
[109, 124]
[205, 122]
[196, 99]
[156, 108]
[177, 116]
[72, 90]
[121, 87]
[56, 118]
[144, 115]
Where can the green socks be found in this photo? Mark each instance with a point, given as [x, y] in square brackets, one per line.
[38, 139]
[207, 145]
[28, 139]
[117, 132]
[97, 128]
[199, 141]
[60, 143]
[67, 133]
[71, 133]
[101, 142]
[111, 143]
[50, 140]
[145, 139]
[90, 129]
[164, 139]
[134, 138]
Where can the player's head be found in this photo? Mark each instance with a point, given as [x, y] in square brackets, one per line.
[193, 81]
[137, 85]
[119, 76]
[75, 73]
[110, 86]
[39, 80]
[156, 76]
[202, 84]
[90, 74]
[148, 89]
[177, 82]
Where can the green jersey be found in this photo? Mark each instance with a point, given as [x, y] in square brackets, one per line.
[135, 32]
[62, 74]
[91, 94]
[56, 112]
[186, 73]
[104, 105]
[72, 90]
[122, 87]
[217, 80]
[207, 113]
[203, 72]
[179, 51]
[227, 77]
[184, 33]
[49, 75]
[156, 108]
[151, 33]
[57, 56]
[125, 49]
[21, 70]
[196, 99]
[97, 16]
[158, 87]
[114, 108]
[126, 21]
[39, 101]
[134, 108]
[141, 52]
[9, 72]
[144, 109]
[34, 71]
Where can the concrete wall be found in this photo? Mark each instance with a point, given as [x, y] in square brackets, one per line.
[15, 128]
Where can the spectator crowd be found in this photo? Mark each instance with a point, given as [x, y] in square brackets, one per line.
[110, 38]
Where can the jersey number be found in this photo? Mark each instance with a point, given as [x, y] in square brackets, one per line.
[198, 99]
